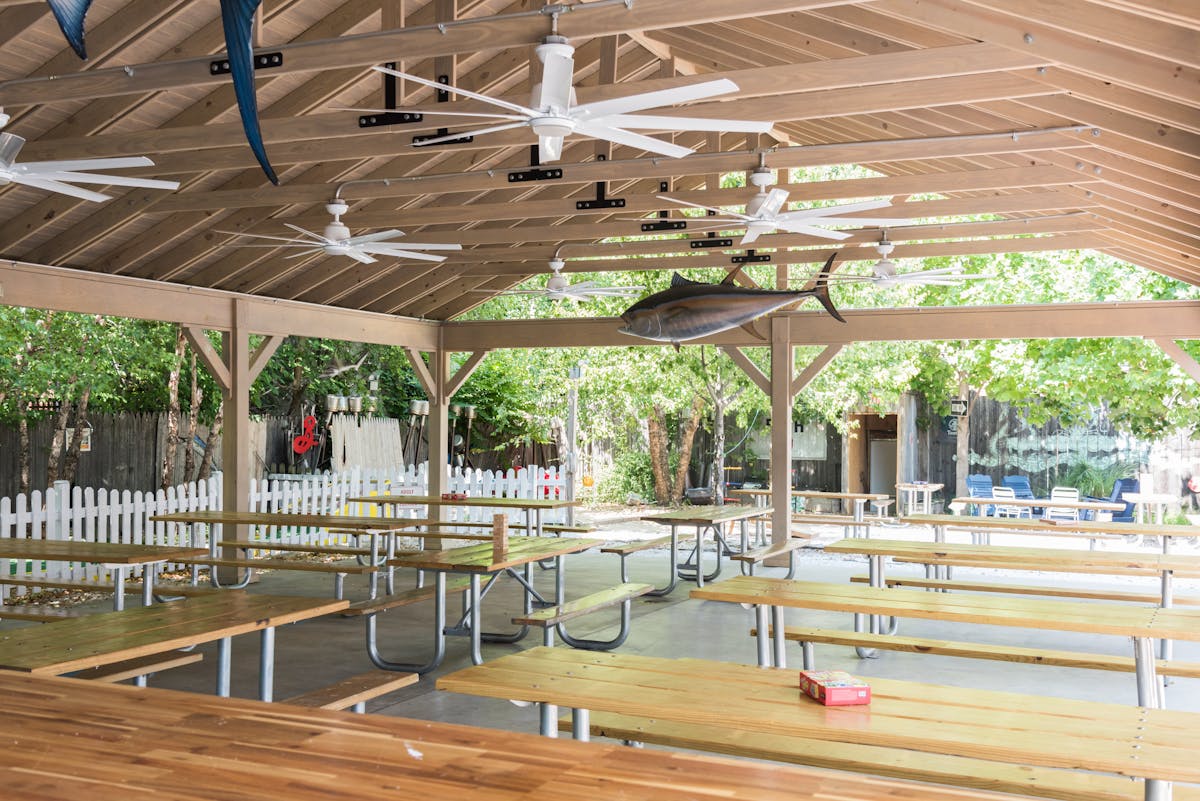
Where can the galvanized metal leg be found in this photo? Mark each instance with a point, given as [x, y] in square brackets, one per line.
[1149, 690]
[476, 622]
[266, 664]
[807, 656]
[223, 666]
[148, 572]
[780, 640]
[762, 623]
[119, 587]
[1166, 647]
[439, 635]
[548, 720]
[339, 586]
[580, 725]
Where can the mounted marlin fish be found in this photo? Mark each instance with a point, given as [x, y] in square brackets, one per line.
[690, 309]
[237, 16]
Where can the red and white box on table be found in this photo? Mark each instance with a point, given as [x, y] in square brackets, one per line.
[834, 687]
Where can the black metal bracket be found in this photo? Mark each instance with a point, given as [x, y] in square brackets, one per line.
[710, 242]
[262, 61]
[663, 223]
[390, 100]
[442, 96]
[535, 172]
[751, 258]
[601, 201]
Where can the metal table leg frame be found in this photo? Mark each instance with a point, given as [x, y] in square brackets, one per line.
[699, 576]
[266, 664]
[761, 622]
[548, 719]
[223, 666]
[580, 724]
[439, 635]
[672, 575]
[600, 645]
[1149, 690]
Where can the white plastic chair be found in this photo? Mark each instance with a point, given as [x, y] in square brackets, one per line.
[1062, 513]
[1000, 495]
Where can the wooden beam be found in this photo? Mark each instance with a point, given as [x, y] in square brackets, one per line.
[1152, 319]
[814, 368]
[422, 371]
[455, 382]
[263, 353]
[208, 354]
[1179, 356]
[781, 428]
[749, 368]
[513, 30]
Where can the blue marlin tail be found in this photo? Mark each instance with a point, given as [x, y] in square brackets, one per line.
[238, 18]
[70, 14]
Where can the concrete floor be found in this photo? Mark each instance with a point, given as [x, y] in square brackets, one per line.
[318, 652]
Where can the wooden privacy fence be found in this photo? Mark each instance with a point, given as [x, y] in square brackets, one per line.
[101, 515]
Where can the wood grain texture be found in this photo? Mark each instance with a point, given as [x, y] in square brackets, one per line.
[355, 689]
[704, 515]
[115, 553]
[108, 637]
[346, 522]
[481, 558]
[431, 500]
[1001, 726]
[971, 585]
[968, 522]
[1033, 613]
[610, 596]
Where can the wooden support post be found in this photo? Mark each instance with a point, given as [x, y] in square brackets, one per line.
[237, 458]
[499, 538]
[781, 429]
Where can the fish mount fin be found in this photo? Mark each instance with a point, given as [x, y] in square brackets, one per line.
[675, 345]
[820, 291]
[237, 17]
[70, 14]
[753, 331]
[678, 280]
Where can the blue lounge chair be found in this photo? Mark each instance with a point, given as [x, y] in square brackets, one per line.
[980, 486]
[1122, 486]
[1022, 489]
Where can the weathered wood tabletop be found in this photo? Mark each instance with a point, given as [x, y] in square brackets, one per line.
[230, 517]
[1003, 726]
[126, 742]
[706, 515]
[482, 500]
[109, 553]
[481, 558]
[969, 522]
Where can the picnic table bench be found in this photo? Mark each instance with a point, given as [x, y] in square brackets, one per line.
[1153, 744]
[711, 519]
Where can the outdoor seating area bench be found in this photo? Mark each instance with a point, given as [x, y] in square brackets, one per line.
[894, 763]
[624, 549]
[757, 556]
[372, 606]
[131, 588]
[39, 614]
[553, 618]
[320, 550]
[972, 585]
[339, 569]
[139, 667]
[974, 650]
[354, 692]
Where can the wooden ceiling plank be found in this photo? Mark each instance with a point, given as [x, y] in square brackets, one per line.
[413, 42]
[1177, 12]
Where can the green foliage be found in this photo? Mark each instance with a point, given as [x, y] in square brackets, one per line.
[630, 475]
[1096, 480]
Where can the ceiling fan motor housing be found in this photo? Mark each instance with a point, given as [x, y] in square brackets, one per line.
[10, 146]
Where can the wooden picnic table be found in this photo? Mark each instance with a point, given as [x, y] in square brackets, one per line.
[916, 497]
[704, 518]
[1141, 624]
[1047, 503]
[165, 744]
[1143, 500]
[859, 499]
[942, 523]
[532, 508]
[1153, 744]
[102, 639]
[477, 562]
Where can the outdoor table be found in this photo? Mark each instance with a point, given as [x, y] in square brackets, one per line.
[704, 518]
[1153, 744]
[97, 640]
[372, 526]
[168, 744]
[478, 561]
[1047, 503]
[859, 499]
[916, 497]
[1139, 623]
[118, 557]
[1143, 500]
[527, 506]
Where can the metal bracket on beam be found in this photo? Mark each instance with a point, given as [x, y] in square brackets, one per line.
[443, 96]
[262, 61]
[391, 116]
[663, 223]
[601, 201]
[710, 242]
[535, 172]
[751, 258]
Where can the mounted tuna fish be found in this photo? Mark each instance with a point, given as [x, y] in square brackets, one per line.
[690, 309]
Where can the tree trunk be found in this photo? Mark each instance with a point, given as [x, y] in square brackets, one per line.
[962, 444]
[687, 437]
[210, 446]
[298, 388]
[717, 482]
[189, 453]
[656, 424]
[23, 459]
[58, 441]
[166, 474]
[71, 461]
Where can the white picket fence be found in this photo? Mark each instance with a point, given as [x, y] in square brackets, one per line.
[101, 515]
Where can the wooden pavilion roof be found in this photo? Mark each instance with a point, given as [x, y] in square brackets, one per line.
[1066, 124]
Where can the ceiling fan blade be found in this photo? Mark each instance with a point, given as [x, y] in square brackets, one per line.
[741, 218]
[378, 236]
[74, 165]
[550, 148]
[441, 112]
[406, 245]
[316, 237]
[308, 251]
[558, 73]
[359, 256]
[107, 180]
[287, 239]
[773, 203]
[462, 134]
[528, 112]
[664, 123]
[750, 235]
[800, 228]
[862, 221]
[844, 208]
[407, 254]
[61, 188]
[645, 100]
[640, 141]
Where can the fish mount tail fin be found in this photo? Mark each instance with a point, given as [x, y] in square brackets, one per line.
[237, 17]
[70, 15]
[820, 290]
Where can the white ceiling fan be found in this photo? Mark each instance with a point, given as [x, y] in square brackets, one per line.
[884, 271]
[60, 175]
[553, 114]
[335, 240]
[764, 213]
[559, 287]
